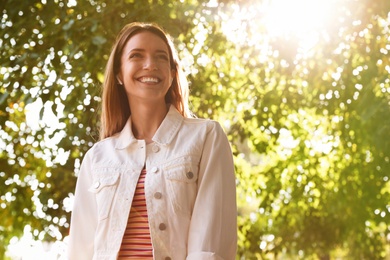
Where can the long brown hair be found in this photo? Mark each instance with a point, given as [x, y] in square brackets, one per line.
[115, 105]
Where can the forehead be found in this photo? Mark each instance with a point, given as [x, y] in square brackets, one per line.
[147, 41]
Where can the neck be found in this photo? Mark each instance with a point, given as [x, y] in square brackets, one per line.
[146, 119]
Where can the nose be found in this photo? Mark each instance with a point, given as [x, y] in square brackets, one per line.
[150, 64]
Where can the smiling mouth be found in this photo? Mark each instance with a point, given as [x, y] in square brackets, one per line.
[149, 80]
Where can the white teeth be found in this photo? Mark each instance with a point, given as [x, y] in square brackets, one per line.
[148, 80]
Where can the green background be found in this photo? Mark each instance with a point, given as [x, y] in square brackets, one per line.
[309, 126]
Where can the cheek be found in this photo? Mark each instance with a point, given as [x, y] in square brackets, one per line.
[126, 71]
[122, 72]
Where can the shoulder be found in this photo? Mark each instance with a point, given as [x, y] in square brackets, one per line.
[209, 126]
[199, 121]
[104, 145]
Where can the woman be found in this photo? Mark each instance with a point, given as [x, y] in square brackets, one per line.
[159, 184]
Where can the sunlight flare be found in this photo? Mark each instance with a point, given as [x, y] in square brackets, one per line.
[296, 17]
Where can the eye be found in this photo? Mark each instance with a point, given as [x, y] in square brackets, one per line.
[135, 55]
[163, 57]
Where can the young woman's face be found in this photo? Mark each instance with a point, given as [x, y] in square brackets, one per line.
[145, 68]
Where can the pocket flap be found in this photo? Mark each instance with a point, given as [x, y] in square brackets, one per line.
[104, 181]
[184, 174]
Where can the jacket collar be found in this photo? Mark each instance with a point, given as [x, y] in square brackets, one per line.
[164, 134]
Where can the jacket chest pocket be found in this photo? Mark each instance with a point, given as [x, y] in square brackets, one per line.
[182, 186]
[104, 187]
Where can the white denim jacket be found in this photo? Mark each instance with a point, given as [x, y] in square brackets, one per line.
[189, 189]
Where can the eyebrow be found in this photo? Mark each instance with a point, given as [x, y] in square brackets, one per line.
[143, 50]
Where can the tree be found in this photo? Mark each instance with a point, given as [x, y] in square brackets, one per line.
[319, 182]
[309, 129]
[52, 61]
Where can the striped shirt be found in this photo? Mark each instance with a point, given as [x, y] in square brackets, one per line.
[136, 242]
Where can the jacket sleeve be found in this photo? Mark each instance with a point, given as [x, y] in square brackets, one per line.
[213, 228]
[84, 215]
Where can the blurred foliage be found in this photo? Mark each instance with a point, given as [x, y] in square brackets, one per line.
[309, 126]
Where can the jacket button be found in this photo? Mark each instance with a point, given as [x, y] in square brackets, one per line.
[190, 175]
[162, 226]
[96, 185]
[157, 195]
[154, 169]
[155, 148]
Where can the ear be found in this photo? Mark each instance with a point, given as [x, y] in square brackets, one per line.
[119, 79]
[173, 75]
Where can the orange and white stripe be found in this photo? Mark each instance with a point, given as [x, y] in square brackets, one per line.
[136, 242]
